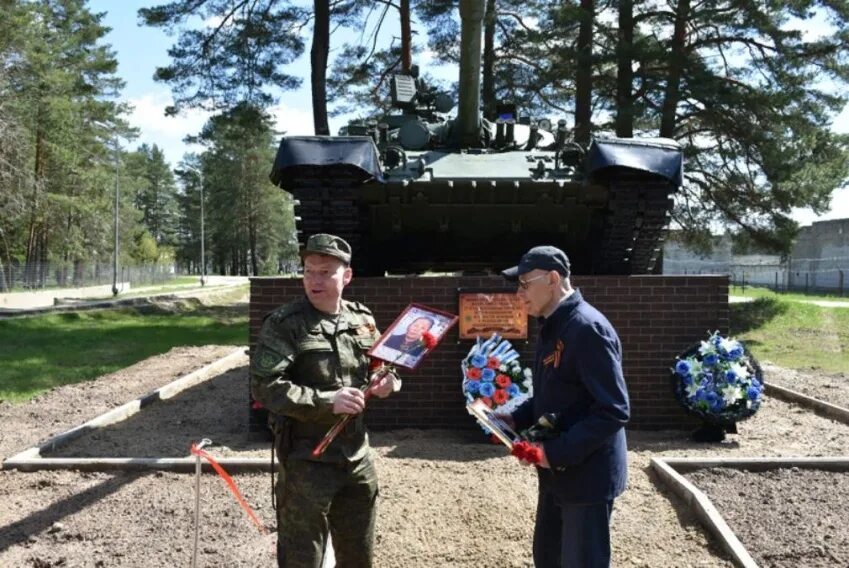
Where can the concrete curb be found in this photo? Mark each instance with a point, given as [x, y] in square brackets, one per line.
[31, 460]
[818, 406]
[668, 470]
[86, 305]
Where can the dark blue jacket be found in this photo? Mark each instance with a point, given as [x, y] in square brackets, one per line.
[578, 375]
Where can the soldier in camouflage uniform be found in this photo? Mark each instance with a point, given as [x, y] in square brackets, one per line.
[309, 366]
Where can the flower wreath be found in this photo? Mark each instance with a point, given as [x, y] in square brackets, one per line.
[492, 373]
[718, 380]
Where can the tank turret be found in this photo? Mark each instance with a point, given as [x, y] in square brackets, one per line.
[416, 190]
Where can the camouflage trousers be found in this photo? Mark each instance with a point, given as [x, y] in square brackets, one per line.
[314, 498]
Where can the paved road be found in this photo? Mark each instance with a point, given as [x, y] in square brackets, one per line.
[39, 301]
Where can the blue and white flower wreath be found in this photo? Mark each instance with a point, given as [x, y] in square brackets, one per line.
[718, 380]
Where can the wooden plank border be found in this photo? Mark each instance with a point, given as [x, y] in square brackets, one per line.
[27, 457]
[668, 470]
[818, 406]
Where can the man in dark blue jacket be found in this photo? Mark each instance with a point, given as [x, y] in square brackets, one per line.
[578, 377]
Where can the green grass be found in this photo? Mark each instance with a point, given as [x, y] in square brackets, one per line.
[793, 334]
[755, 292]
[39, 353]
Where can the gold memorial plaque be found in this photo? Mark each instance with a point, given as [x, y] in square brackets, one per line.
[482, 313]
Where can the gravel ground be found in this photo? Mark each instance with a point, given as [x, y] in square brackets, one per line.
[832, 388]
[447, 498]
[786, 517]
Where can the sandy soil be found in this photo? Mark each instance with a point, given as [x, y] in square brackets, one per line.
[832, 388]
[785, 518]
[447, 498]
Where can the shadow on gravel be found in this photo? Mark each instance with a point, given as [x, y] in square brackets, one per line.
[747, 316]
[39, 522]
[438, 444]
[669, 441]
[216, 409]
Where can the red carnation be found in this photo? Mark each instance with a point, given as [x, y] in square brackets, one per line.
[526, 452]
[493, 363]
[256, 405]
[486, 400]
[374, 363]
[503, 381]
[534, 455]
[519, 449]
[429, 340]
[474, 374]
[500, 396]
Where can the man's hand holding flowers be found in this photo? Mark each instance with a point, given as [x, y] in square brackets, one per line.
[348, 400]
[387, 385]
[530, 453]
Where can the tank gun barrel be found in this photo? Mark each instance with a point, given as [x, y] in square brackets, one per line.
[468, 112]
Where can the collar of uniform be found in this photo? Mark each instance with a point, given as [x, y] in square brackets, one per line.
[347, 319]
[564, 309]
[313, 317]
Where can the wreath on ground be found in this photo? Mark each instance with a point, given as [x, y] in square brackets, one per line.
[718, 380]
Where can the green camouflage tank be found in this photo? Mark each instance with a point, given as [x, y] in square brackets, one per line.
[419, 191]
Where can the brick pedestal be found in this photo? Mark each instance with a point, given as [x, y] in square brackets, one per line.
[657, 317]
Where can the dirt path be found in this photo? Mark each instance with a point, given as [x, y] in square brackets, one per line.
[447, 499]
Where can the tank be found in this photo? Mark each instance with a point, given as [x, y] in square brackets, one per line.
[418, 191]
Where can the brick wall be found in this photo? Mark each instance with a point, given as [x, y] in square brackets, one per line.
[657, 317]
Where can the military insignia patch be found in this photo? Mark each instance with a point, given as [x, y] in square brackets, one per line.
[267, 359]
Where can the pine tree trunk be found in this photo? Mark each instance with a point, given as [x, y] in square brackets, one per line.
[625, 73]
[318, 63]
[488, 82]
[78, 272]
[584, 76]
[406, 37]
[32, 239]
[676, 69]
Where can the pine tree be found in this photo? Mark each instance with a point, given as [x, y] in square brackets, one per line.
[59, 81]
[249, 222]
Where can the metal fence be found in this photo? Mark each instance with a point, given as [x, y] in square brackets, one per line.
[42, 276]
[804, 275]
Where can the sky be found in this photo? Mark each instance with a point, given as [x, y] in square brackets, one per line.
[140, 49]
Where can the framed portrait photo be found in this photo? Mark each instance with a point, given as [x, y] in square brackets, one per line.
[402, 344]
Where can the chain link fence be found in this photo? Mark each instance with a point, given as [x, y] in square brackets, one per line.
[43, 276]
[804, 275]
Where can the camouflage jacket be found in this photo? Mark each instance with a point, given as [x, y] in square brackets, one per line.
[302, 357]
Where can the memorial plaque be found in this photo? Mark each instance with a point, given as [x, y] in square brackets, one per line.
[482, 313]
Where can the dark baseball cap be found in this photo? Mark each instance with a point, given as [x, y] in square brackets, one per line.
[543, 258]
[330, 245]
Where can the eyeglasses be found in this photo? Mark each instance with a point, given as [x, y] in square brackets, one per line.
[523, 284]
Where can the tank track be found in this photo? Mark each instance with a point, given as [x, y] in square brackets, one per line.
[330, 206]
[636, 221]
[638, 216]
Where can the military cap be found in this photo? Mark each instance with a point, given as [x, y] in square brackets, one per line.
[331, 245]
[542, 258]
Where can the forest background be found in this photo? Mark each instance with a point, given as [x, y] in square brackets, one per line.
[744, 86]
